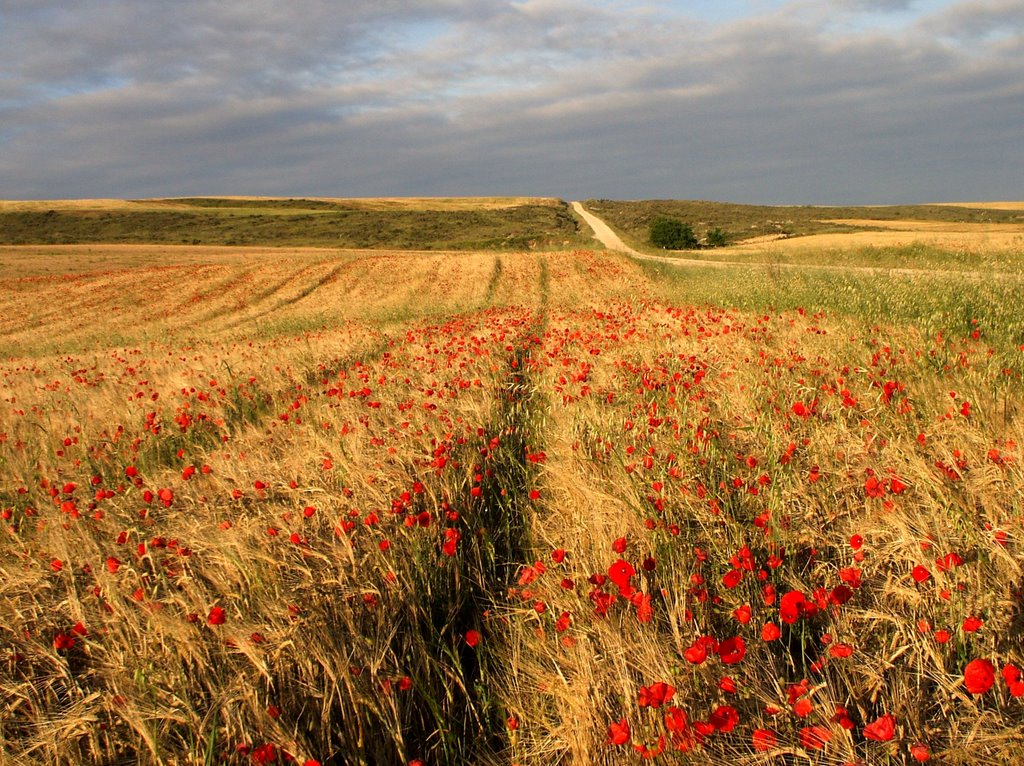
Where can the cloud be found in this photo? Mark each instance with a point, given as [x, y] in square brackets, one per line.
[978, 18]
[563, 97]
[878, 5]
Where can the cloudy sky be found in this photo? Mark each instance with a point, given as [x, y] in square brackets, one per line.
[806, 101]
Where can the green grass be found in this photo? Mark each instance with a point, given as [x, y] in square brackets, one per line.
[918, 255]
[934, 303]
[275, 223]
[633, 219]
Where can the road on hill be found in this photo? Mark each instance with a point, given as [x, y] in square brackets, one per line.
[607, 237]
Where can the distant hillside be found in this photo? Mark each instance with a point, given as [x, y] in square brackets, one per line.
[412, 224]
[739, 222]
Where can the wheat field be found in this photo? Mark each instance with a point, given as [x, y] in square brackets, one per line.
[377, 507]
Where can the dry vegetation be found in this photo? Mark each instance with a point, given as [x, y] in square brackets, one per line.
[492, 223]
[813, 229]
[536, 508]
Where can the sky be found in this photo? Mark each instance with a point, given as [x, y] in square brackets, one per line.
[763, 101]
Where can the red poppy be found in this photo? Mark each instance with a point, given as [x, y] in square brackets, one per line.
[840, 650]
[644, 610]
[732, 578]
[764, 740]
[472, 638]
[972, 624]
[770, 632]
[63, 641]
[620, 573]
[563, 622]
[979, 675]
[920, 752]
[216, 616]
[732, 650]
[696, 654]
[724, 718]
[656, 694]
[791, 606]
[618, 733]
[647, 752]
[882, 729]
[814, 737]
[803, 707]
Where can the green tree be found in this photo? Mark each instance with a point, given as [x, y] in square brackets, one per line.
[717, 238]
[670, 234]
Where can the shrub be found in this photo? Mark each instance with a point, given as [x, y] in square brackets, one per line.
[670, 234]
[717, 238]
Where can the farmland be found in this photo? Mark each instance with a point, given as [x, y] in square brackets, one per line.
[505, 503]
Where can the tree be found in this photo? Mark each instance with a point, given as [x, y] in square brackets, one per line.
[717, 238]
[670, 234]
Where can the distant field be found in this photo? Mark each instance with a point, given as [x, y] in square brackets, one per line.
[1008, 205]
[281, 203]
[414, 224]
[895, 224]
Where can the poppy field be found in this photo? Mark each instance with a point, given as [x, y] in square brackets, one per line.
[340, 507]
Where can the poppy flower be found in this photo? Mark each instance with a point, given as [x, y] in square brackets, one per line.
[647, 752]
[881, 729]
[63, 641]
[216, 616]
[656, 694]
[724, 718]
[620, 573]
[770, 632]
[472, 638]
[803, 707]
[814, 737]
[791, 606]
[732, 578]
[732, 650]
[979, 675]
[920, 752]
[696, 654]
[644, 610]
[972, 624]
[764, 740]
[618, 733]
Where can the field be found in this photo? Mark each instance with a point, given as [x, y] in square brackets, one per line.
[288, 503]
[430, 224]
[807, 231]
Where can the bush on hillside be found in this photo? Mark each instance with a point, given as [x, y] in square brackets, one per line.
[670, 234]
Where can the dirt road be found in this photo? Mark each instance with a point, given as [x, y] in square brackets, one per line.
[604, 234]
